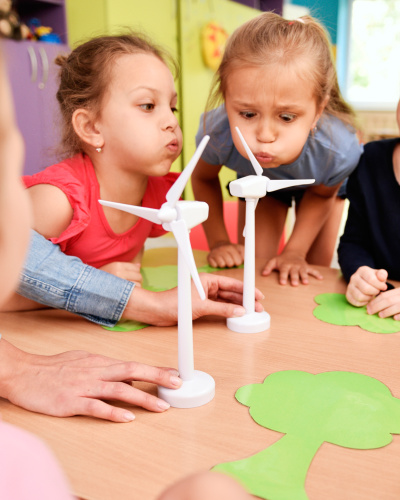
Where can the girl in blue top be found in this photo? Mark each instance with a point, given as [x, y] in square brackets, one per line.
[279, 86]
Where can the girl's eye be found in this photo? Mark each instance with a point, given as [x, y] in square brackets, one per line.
[287, 117]
[247, 114]
[174, 110]
[147, 106]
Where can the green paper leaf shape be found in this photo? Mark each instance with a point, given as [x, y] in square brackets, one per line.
[334, 308]
[343, 408]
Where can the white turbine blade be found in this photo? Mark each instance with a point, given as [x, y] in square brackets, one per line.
[274, 185]
[181, 234]
[150, 214]
[257, 167]
[177, 188]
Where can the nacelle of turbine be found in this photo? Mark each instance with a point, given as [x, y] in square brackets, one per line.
[251, 186]
[192, 212]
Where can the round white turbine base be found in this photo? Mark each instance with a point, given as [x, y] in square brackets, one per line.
[255, 322]
[198, 391]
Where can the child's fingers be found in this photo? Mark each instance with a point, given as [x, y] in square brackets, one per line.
[386, 304]
[226, 256]
[384, 312]
[367, 276]
[269, 267]
[294, 276]
[382, 275]
[359, 292]
[314, 273]
[283, 275]
[365, 288]
[355, 297]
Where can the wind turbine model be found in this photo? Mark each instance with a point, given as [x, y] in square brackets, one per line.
[198, 388]
[253, 187]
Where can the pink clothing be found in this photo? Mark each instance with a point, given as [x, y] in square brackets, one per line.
[89, 236]
[28, 469]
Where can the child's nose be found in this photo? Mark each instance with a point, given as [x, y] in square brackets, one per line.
[266, 131]
[170, 121]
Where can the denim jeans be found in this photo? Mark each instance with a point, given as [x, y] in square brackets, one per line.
[65, 282]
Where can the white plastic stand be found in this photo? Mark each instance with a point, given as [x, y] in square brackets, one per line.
[180, 217]
[198, 388]
[251, 321]
[252, 188]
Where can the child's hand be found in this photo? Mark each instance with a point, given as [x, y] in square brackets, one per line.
[226, 254]
[291, 266]
[365, 284]
[125, 270]
[386, 304]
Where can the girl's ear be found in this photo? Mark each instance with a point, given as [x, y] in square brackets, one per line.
[320, 110]
[85, 128]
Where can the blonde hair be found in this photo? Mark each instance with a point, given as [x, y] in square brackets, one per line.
[270, 39]
[86, 73]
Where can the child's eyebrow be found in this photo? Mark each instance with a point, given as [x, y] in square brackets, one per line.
[279, 106]
[151, 89]
[289, 107]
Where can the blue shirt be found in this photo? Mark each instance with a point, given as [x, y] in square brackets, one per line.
[64, 282]
[329, 155]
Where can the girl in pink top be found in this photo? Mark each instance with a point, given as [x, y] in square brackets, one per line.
[118, 102]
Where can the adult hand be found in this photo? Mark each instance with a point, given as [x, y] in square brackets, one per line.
[77, 383]
[291, 267]
[126, 270]
[365, 284]
[226, 254]
[224, 297]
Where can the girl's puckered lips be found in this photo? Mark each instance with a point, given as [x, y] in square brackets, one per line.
[173, 145]
[263, 157]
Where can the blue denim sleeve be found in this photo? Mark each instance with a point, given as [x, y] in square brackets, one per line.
[65, 282]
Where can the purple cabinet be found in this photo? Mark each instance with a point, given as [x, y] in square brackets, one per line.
[33, 77]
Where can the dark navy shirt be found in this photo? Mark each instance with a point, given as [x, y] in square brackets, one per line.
[372, 233]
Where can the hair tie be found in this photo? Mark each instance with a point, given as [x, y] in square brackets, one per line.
[299, 19]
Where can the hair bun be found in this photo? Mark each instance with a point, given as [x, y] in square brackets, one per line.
[60, 60]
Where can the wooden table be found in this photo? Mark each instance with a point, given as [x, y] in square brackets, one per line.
[108, 461]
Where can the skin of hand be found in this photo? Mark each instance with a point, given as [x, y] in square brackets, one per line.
[386, 304]
[71, 383]
[365, 284]
[78, 383]
[206, 485]
[224, 298]
[226, 254]
[126, 270]
[291, 266]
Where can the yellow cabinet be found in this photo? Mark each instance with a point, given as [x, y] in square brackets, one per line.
[178, 26]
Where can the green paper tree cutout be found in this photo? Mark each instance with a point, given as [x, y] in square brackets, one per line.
[342, 408]
[333, 308]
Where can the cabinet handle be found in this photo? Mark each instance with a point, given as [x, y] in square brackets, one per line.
[34, 65]
[45, 65]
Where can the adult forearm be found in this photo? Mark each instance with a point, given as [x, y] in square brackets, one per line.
[64, 282]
